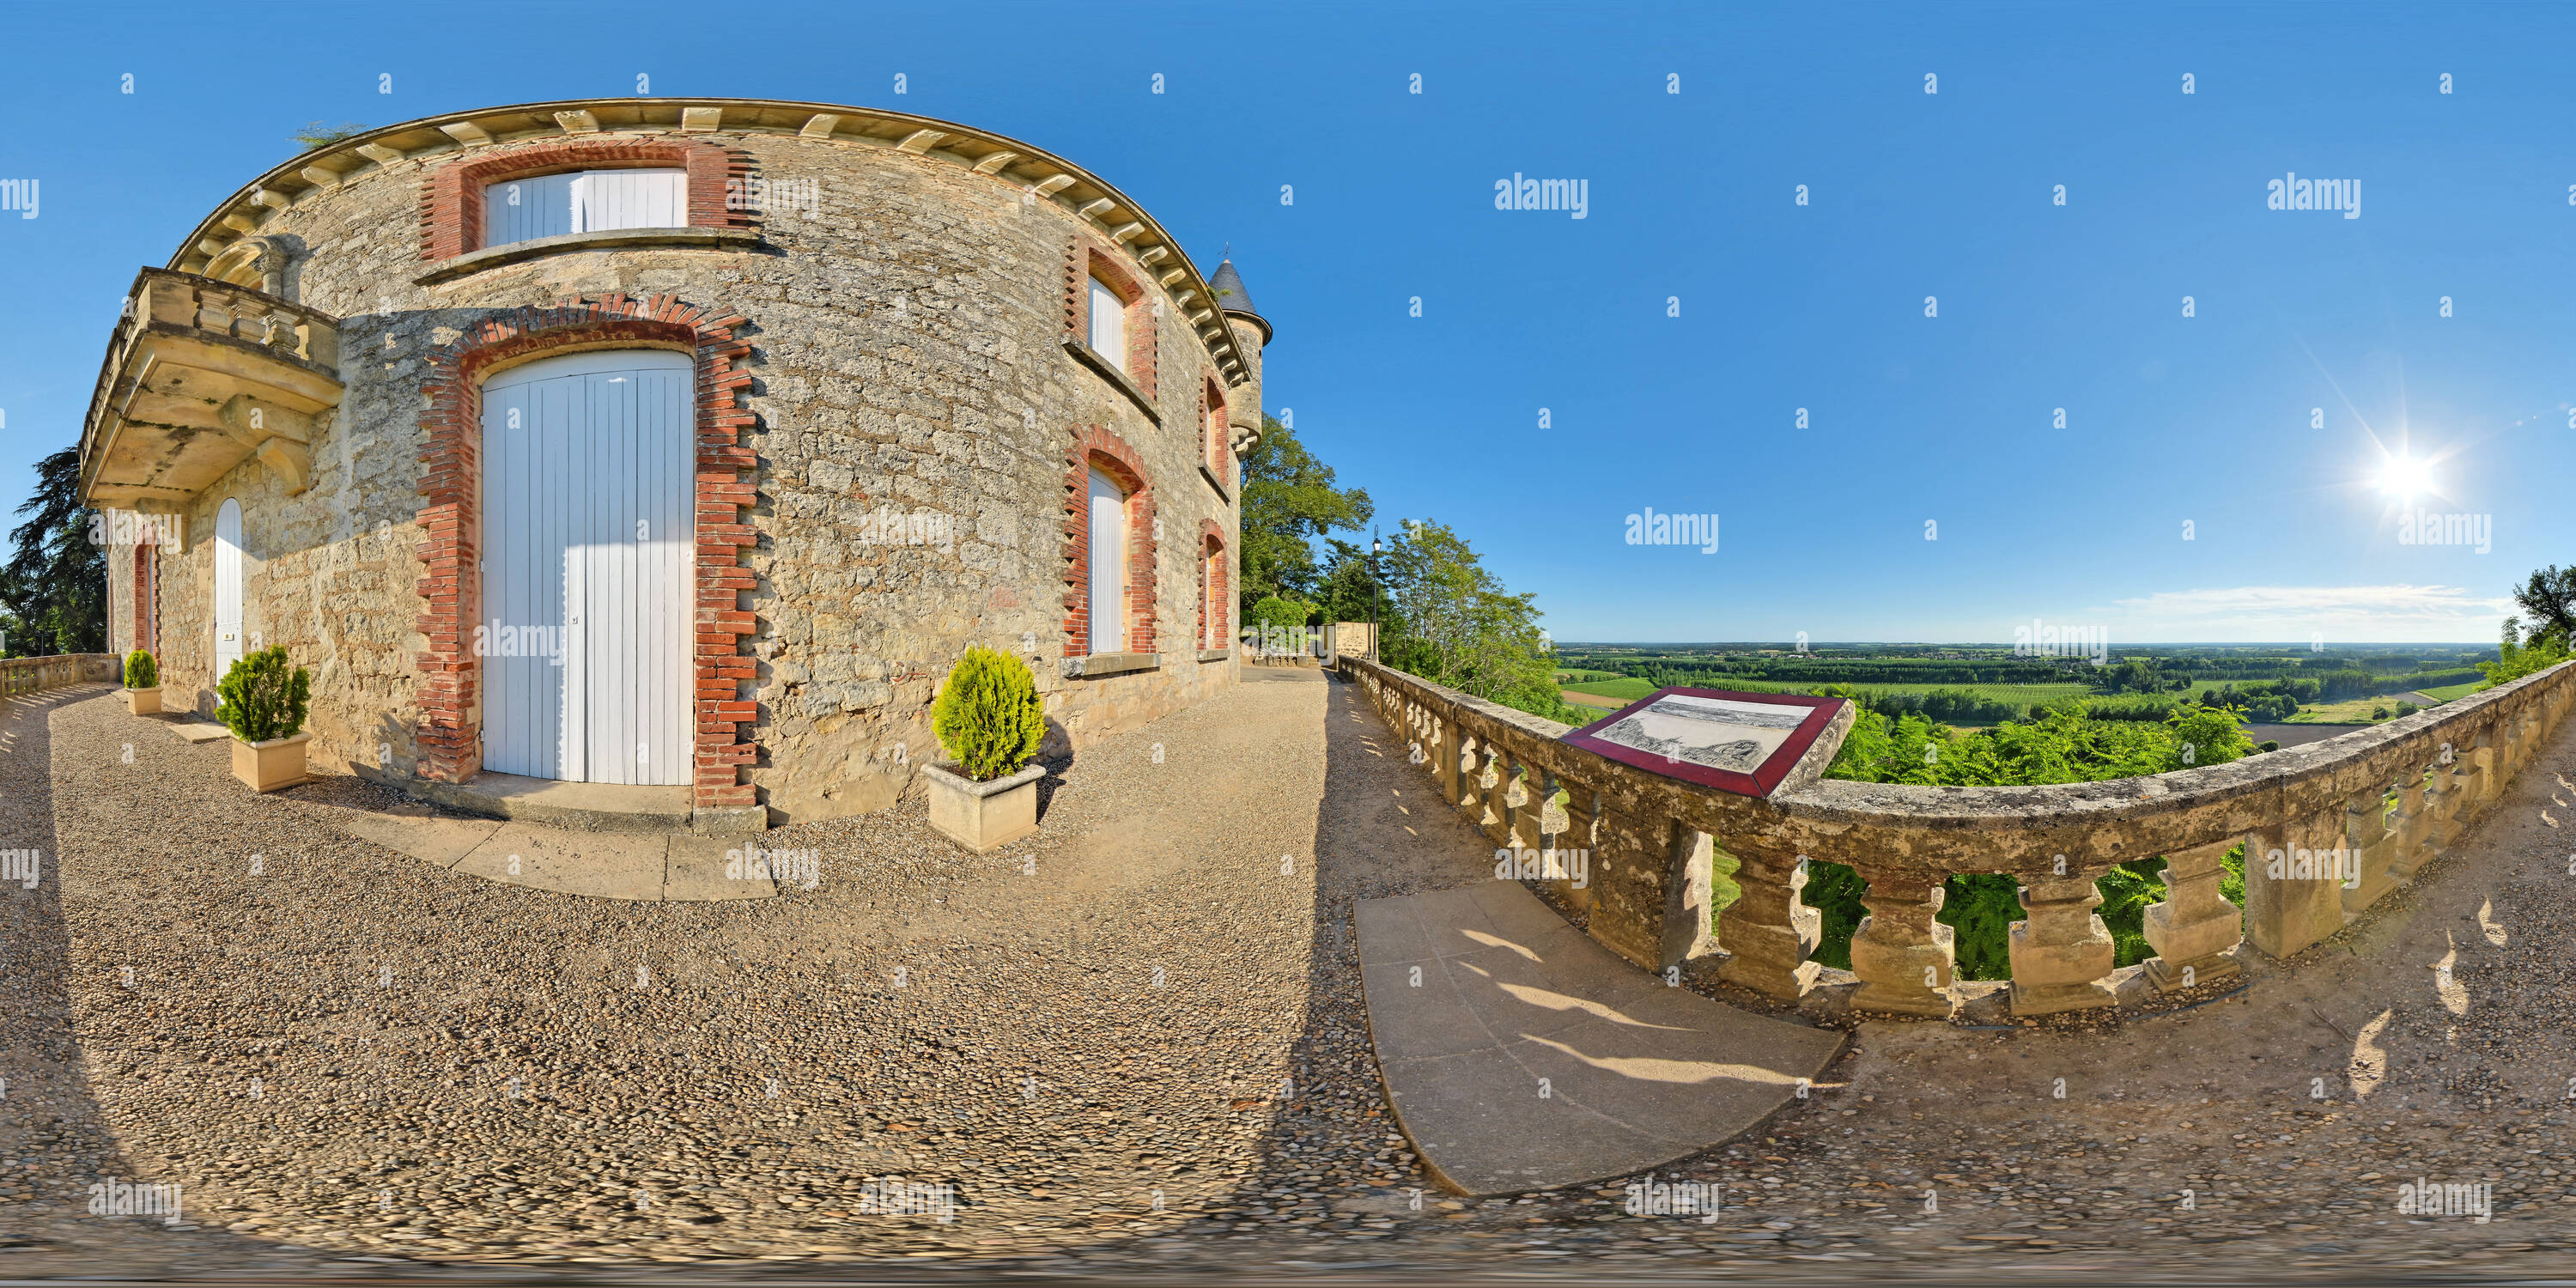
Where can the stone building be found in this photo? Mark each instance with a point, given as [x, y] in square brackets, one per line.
[678, 444]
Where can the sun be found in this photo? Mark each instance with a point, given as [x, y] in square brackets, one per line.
[2403, 477]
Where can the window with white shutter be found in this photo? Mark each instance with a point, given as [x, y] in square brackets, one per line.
[1108, 558]
[1108, 324]
[551, 205]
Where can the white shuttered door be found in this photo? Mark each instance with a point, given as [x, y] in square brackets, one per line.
[228, 587]
[551, 205]
[1108, 557]
[588, 529]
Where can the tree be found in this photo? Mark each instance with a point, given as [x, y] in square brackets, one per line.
[1463, 626]
[54, 586]
[1289, 499]
[2550, 599]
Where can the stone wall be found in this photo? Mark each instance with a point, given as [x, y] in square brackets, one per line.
[908, 353]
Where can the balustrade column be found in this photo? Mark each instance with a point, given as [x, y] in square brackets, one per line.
[1440, 744]
[2062, 953]
[2195, 930]
[2486, 776]
[1650, 896]
[1472, 787]
[1570, 847]
[1524, 804]
[2373, 846]
[1767, 932]
[2303, 904]
[1904, 958]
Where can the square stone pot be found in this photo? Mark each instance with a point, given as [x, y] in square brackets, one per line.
[267, 766]
[143, 702]
[983, 817]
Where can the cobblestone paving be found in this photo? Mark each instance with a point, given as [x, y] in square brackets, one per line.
[354, 1063]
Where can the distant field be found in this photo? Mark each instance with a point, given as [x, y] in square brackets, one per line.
[1629, 689]
[2450, 691]
[2355, 711]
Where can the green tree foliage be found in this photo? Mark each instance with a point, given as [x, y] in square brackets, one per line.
[2542, 651]
[1461, 628]
[1290, 498]
[265, 696]
[2550, 598]
[141, 672]
[53, 589]
[315, 134]
[988, 716]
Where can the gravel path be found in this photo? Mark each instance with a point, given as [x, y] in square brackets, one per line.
[342, 1053]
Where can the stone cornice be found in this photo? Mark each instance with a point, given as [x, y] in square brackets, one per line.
[1123, 223]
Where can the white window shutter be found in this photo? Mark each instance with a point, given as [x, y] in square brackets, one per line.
[1108, 324]
[1108, 565]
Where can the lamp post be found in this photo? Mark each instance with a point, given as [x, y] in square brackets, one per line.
[1376, 548]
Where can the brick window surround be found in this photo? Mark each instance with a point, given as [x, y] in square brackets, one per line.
[448, 736]
[1096, 448]
[451, 202]
[1213, 427]
[1216, 591]
[1084, 260]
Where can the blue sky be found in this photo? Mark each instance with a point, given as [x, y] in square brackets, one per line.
[1947, 419]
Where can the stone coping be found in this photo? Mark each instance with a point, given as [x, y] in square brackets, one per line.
[1938, 831]
[1109, 371]
[1215, 654]
[1008, 161]
[1099, 664]
[475, 261]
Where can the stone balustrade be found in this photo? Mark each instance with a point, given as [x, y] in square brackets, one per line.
[2328, 829]
[20, 675]
[200, 375]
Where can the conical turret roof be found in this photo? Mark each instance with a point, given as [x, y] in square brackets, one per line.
[1232, 299]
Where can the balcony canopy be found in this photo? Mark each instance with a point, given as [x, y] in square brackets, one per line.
[199, 377]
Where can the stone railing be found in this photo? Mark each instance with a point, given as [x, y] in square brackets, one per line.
[2348, 819]
[198, 375]
[29, 674]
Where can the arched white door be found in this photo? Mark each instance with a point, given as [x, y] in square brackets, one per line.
[228, 587]
[588, 539]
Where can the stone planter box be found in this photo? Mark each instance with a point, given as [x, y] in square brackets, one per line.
[143, 702]
[267, 766]
[983, 817]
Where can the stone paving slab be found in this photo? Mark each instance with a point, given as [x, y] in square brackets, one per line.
[642, 866]
[424, 836]
[695, 869]
[1525, 1056]
[605, 865]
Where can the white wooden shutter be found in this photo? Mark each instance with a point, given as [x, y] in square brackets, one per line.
[1108, 324]
[517, 210]
[228, 587]
[1108, 565]
[606, 199]
[551, 205]
[588, 538]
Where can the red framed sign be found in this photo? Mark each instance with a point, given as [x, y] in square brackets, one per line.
[1744, 743]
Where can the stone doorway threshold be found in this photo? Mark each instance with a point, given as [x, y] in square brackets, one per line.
[1521, 1055]
[581, 807]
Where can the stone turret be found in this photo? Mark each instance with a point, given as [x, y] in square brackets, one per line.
[1251, 331]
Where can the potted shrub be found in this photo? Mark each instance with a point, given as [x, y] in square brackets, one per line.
[264, 701]
[142, 684]
[990, 721]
